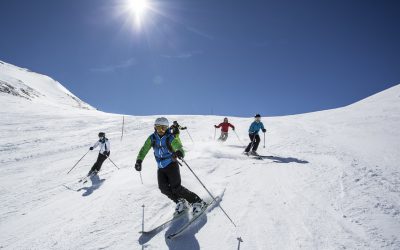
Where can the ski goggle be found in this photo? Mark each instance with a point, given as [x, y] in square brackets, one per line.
[161, 128]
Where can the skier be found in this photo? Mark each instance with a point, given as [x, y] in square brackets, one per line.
[253, 134]
[224, 129]
[175, 130]
[166, 151]
[104, 153]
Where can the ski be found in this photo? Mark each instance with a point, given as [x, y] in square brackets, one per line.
[192, 220]
[86, 178]
[164, 224]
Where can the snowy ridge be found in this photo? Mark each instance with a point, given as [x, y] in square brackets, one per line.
[37, 88]
[330, 179]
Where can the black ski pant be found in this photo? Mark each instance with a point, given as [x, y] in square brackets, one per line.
[169, 182]
[100, 159]
[253, 145]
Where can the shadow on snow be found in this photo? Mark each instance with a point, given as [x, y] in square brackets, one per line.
[185, 241]
[279, 159]
[96, 183]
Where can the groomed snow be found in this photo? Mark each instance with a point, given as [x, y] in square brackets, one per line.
[331, 182]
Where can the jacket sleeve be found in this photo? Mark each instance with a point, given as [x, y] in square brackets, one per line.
[96, 144]
[177, 145]
[144, 150]
[262, 125]
[108, 145]
[182, 128]
[230, 125]
[219, 125]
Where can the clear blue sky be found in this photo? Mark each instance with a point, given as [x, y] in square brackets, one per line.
[223, 57]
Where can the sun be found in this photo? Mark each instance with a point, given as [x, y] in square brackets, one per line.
[138, 8]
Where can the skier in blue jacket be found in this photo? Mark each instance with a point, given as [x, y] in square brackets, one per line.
[254, 137]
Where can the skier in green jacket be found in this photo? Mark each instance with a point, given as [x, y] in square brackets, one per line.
[166, 151]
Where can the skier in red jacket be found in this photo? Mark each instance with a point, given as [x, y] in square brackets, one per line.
[224, 129]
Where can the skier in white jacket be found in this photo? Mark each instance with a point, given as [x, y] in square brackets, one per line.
[104, 153]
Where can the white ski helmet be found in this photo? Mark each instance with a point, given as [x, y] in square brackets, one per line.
[161, 121]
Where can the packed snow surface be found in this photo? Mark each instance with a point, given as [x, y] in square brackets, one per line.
[330, 179]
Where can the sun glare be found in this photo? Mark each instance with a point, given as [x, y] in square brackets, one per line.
[138, 8]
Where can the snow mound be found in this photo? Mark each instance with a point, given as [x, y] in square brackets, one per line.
[35, 88]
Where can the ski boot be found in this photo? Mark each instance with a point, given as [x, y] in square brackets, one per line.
[180, 207]
[198, 207]
[254, 153]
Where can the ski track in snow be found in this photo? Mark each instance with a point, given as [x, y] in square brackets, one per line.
[330, 179]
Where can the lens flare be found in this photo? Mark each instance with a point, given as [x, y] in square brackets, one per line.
[138, 8]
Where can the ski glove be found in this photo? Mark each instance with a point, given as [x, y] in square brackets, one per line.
[178, 154]
[264, 130]
[138, 165]
[91, 148]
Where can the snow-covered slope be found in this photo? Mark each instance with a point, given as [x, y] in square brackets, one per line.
[34, 87]
[330, 181]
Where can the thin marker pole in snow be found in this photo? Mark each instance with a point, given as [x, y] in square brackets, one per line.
[239, 240]
[78, 161]
[189, 135]
[215, 132]
[143, 218]
[123, 124]
[212, 196]
[143, 223]
[112, 162]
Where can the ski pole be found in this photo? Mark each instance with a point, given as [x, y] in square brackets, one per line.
[264, 139]
[238, 137]
[112, 162]
[189, 135]
[215, 132]
[78, 161]
[205, 188]
[252, 142]
[140, 174]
